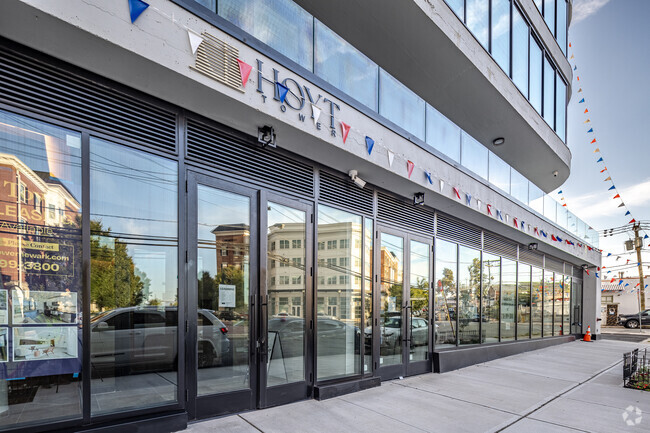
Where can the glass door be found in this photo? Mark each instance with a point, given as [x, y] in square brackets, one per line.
[404, 304]
[221, 261]
[285, 342]
[418, 359]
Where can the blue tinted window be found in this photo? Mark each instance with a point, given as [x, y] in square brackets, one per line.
[549, 14]
[400, 105]
[499, 173]
[535, 97]
[474, 156]
[443, 134]
[281, 24]
[478, 19]
[549, 93]
[561, 24]
[538, 3]
[345, 67]
[519, 52]
[518, 186]
[210, 4]
[501, 33]
[560, 125]
[458, 6]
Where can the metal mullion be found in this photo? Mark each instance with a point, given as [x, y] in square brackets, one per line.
[457, 297]
[181, 252]
[500, 296]
[85, 287]
[480, 298]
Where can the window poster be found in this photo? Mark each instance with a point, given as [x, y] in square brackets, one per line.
[4, 302]
[34, 343]
[4, 344]
[37, 307]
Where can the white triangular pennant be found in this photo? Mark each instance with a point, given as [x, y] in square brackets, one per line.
[195, 40]
[442, 185]
[315, 113]
[391, 157]
[478, 204]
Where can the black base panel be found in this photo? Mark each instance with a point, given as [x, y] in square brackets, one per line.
[159, 424]
[454, 359]
[334, 390]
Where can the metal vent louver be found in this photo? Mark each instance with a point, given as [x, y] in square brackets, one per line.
[37, 86]
[500, 246]
[455, 231]
[402, 213]
[218, 60]
[237, 154]
[553, 264]
[343, 192]
[530, 257]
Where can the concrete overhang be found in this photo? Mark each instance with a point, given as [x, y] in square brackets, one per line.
[424, 45]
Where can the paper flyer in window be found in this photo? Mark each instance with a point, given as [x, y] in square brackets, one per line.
[43, 307]
[39, 343]
[4, 303]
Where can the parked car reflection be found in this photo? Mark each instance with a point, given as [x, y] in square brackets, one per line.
[390, 334]
[135, 340]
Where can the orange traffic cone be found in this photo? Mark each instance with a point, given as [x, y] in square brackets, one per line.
[587, 336]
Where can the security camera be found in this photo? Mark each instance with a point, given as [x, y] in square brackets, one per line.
[555, 173]
[355, 177]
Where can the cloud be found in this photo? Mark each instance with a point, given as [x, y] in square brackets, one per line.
[583, 9]
[598, 208]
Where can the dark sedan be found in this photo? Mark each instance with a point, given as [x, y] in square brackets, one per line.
[632, 320]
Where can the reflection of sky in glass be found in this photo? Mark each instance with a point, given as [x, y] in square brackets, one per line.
[535, 75]
[549, 93]
[419, 263]
[549, 14]
[400, 105]
[343, 66]
[560, 114]
[474, 156]
[478, 19]
[518, 186]
[281, 24]
[44, 149]
[443, 134]
[499, 175]
[501, 33]
[445, 258]
[457, 6]
[519, 51]
[561, 24]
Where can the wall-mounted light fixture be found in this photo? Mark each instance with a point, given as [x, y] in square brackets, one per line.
[418, 198]
[355, 177]
[498, 141]
[532, 246]
[266, 136]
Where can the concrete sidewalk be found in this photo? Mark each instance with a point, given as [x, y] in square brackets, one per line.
[571, 387]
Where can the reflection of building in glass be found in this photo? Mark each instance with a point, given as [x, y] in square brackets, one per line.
[32, 203]
[232, 243]
[286, 269]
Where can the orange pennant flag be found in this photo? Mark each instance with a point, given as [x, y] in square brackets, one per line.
[569, 44]
[608, 178]
[580, 90]
[587, 121]
[564, 205]
[578, 78]
[597, 150]
[604, 169]
[571, 56]
[586, 111]
[593, 141]
[617, 196]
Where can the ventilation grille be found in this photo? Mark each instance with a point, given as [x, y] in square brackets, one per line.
[554, 264]
[531, 257]
[239, 155]
[497, 245]
[37, 86]
[452, 230]
[218, 60]
[344, 192]
[404, 214]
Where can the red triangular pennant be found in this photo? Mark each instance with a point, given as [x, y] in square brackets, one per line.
[457, 193]
[409, 167]
[345, 129]
[593, 141]
[633, 221]
[244, 71]
[617, 196]
[586, 110]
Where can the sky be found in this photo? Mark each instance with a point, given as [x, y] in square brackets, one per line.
[611, 46]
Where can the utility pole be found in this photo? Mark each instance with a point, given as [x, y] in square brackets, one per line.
[638, 242]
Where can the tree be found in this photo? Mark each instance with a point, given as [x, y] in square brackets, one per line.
[113, 279]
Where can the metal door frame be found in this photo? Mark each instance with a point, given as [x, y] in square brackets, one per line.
[235, 401]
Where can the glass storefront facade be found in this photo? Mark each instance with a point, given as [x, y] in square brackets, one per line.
[143, 279]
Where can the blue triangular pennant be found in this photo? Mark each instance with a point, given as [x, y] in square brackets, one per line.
[136, 7]
[628, 213]
[559, 238]
[282, 91]
[428, 175]
[646, 237]
[544, 234]
[370, 143]
[611, 188]
[591, 130]
[559, 192]
[575, 67]
[581, 101]
[600, 160]
[609, 254]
